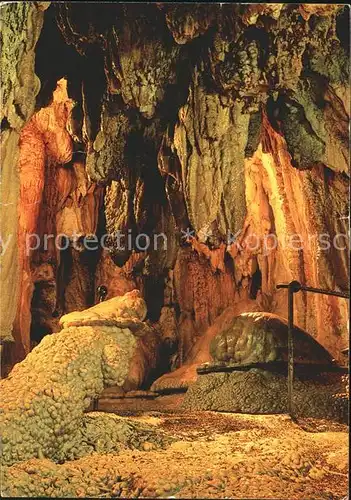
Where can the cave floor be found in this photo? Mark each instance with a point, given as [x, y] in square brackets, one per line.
[216, 455]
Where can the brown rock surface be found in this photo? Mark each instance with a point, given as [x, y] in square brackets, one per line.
[19, 90]
[214, 455]
[54, 199]
[229, 120]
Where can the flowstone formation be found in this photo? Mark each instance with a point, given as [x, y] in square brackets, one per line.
[263, 338]
[20, 29]
[101, 436]
[215, 455]
[260, 391]
[222, 127]
[45, 396]
[199, 353]
[114, 311]
[61, 481]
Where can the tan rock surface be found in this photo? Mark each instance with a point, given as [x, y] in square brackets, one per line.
[215, 455]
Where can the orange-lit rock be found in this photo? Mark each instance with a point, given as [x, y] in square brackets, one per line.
[144, 360]
[201, 290]
[249, 137]
[307, 205]
[55, 198]
[337, 116]
[216, 256]
[200, 353]
[289, 211]
[252, 12]
[31, 170]
[19, 87]
[118, 280]
[307, 10]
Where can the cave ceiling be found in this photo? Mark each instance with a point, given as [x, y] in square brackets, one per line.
[192, 120]
[174, 95]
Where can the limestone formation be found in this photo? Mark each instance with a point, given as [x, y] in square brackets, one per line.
[263, 338]
[98, 434]
[106, 158]
[20, 29]
[225, 128]
[130, 306]
[210, 142]
[259, 391]
[68, 205]
[199, 353]
[185, 159]
[22, 482]
[45, 396]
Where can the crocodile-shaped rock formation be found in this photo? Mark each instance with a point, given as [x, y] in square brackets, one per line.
[259, 337]
[45, 396]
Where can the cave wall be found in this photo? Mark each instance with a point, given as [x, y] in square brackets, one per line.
[57, 207]
[201, 123]
[21, 27]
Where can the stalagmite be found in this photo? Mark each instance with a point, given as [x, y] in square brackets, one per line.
[164, 168]
[45, 395]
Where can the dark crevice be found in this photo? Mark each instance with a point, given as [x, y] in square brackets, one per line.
[4, 124]
[54, 60]
[154, 296]
[343, 27]
[256, 283]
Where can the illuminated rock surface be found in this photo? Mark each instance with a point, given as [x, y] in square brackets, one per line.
[232, 119]
[220, 134]
[260, 391]
[19, 89]
[263, 338]
[214, 455]
[44, 397]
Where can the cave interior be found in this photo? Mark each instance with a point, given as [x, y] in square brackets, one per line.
[165, 166]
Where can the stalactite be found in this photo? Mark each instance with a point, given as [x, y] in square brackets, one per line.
[164, 167]
[224, 129]
[118, 280]
[210, 142]
[21, 26]
[55, 198]
[186, 22]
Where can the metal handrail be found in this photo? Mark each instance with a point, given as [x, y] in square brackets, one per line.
[101, 294]
[294, 287]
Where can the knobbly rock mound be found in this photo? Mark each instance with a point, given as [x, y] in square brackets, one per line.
[100, 435]
[128, 308]
[238, 338]
[259, 391]
[186, 375]
[260, 337]
[45, 395]
[217, 455]
[109, 433]
[65, 481]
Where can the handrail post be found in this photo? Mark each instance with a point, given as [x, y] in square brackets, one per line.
[290, 350]
[293, 287]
